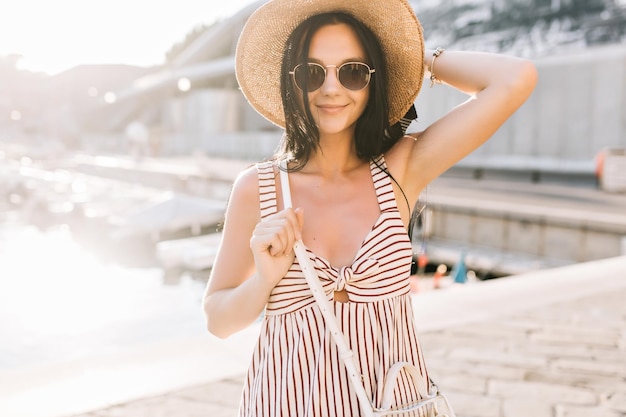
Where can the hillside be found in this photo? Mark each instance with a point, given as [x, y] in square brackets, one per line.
[529, 28]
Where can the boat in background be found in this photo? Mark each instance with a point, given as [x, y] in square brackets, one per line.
[195, 253]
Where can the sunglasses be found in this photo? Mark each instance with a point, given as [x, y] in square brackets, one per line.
[352, 75]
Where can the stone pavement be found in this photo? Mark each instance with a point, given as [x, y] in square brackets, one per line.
[549, 344]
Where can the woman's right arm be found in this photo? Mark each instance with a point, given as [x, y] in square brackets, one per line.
[252, 257]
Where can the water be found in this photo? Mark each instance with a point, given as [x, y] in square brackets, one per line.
[60, 301]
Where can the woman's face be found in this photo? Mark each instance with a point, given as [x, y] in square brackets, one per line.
[335, 108]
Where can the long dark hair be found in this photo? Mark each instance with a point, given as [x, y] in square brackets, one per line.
[373, 135]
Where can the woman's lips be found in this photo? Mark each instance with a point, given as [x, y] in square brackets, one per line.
[331, 108]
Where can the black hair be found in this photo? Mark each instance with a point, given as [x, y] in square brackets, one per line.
[373, 135]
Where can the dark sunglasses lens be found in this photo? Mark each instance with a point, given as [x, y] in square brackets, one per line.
[310, 76]
[354, 76]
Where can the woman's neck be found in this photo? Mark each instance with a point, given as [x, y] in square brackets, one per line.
[333, 158]
[331, 161]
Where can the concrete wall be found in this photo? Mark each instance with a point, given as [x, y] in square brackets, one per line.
[513, 240]
[189, 119]
[219, 123]
[577, 109]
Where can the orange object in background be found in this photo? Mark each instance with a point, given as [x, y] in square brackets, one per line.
[440, 272]
[422, 261]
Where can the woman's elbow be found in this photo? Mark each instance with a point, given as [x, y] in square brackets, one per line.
[217, 331]
[516, 85]
[214, 325]
[525, 78]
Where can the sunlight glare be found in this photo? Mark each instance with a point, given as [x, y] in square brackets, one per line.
[110, 97]
[184, 84]
[50, 39]
[51, 285]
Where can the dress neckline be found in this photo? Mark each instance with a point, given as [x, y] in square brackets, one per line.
[378, 163]
[357, 255]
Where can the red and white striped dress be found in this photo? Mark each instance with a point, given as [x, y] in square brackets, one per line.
[295, 368]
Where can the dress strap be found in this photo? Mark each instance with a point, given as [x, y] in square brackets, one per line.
[382, 184]
[267, 188]
[284, 183]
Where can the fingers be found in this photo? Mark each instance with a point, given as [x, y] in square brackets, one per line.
[277, 233]
[295, 219]
[281, 240]
[300, 218]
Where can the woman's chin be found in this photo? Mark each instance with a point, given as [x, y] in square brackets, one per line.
[335, 127]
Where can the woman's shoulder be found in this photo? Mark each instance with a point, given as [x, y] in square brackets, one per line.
[247, 181]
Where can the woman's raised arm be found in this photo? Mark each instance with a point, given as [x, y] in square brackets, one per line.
[497, 85]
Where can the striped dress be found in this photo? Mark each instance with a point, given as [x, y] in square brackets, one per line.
[295, 368]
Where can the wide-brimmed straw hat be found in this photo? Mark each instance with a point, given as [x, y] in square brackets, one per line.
[262, 41]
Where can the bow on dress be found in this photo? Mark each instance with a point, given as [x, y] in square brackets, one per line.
[360, 275]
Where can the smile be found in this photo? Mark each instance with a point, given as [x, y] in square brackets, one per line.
[331, 109]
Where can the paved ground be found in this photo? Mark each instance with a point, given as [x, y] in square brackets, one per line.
[564, 357]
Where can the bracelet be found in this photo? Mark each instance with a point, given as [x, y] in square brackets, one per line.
[433, 78]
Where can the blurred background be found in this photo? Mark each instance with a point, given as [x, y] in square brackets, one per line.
[122, 129]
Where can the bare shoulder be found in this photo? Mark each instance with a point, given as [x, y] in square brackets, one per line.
[245, 196]
[246, 179]
[246, 188]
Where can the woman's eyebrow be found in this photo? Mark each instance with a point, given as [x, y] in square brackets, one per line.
[352, 59]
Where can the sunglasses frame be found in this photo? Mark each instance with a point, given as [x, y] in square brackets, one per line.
[370, 71]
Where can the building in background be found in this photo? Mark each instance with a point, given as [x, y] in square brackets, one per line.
[192, 103]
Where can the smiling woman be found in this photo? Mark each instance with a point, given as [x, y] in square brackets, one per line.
[54, 36]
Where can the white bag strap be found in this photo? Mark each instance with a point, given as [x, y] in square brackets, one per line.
[312, 279]
[390, 382]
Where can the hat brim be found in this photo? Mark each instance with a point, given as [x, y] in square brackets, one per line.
[261, 44]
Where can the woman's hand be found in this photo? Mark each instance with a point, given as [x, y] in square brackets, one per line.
[272, 244]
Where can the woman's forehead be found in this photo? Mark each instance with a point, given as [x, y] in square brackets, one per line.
[334, 44]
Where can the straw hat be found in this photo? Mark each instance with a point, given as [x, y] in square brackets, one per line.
[261, 43]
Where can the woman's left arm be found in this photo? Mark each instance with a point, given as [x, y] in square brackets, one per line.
[497, 86]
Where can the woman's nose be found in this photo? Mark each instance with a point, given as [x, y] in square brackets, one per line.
[331, 82]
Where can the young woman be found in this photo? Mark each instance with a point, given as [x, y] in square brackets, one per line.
[338, 75]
